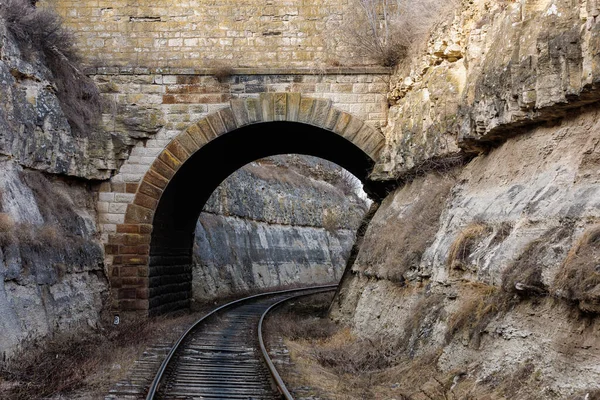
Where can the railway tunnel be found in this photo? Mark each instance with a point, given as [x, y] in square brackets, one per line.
[160, 223]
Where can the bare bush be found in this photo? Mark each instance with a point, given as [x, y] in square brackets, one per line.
[339, 349]
[305, 319]
[331, 220]
[423, 315]
[7, 223]
[346, 182]
[222, 72]
[579, 276]
[40, 32]
[346, 354]
[383, 31]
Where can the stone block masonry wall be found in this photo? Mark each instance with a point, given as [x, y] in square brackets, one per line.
[205, 33]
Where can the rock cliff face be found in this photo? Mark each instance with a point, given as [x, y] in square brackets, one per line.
[488, 74]
[35, 131]
[51, 260]
[485, 265]
[275, 222]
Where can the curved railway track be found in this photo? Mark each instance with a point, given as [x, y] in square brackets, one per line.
[222, 356]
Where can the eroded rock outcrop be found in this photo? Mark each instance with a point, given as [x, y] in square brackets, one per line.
[494, 69]
[499, 278]
[51, 261]
[34, 130]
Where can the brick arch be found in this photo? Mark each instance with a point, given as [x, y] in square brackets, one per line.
[142, 253]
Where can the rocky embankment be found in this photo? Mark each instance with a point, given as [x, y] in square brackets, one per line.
[279, 221]
[484, 263]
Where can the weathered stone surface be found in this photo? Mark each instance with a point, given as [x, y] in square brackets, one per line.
[138, 122]
[34, 129]
[495, 69]
[273, 223]
[51, 261]
[217, 37]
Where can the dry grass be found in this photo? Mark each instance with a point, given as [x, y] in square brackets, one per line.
[39, 239]
[419, 325]
[347, 354]
[579, 276]
[90, 361]
[524, 276]
[385, 31]
[464, 244]
[305, 318]
[56, 207]
[344, 366]
[480, 304]
[39, 32]
[331, 220]
[7, 223]
[395, 251]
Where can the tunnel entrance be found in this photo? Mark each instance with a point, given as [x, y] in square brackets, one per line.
[276, 223]
[159, 225]
[170, 268]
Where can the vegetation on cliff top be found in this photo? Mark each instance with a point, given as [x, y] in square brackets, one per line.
[384, 31]
[39, 32]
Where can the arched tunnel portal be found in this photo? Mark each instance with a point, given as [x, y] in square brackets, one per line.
[153, 268]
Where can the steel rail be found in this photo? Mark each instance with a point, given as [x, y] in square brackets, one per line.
[156, 382]
[276, 377]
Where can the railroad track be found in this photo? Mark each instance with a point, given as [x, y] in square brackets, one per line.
[222, 356]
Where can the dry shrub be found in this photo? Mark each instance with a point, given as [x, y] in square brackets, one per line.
[338, 348]
[518, 380]
[7, 223]
[398, 244]
[579, 276]
[464, 244]
[7, 230]
[346, 182]
[331, 220]
[346, 354]
[40, 32]
[384, 31]
[304, 319]
[524, 276]
[39, 237]
[503, 231]
[478, 308]
[593, 394]
[222, 72]
[55, 207]
[67, 362]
